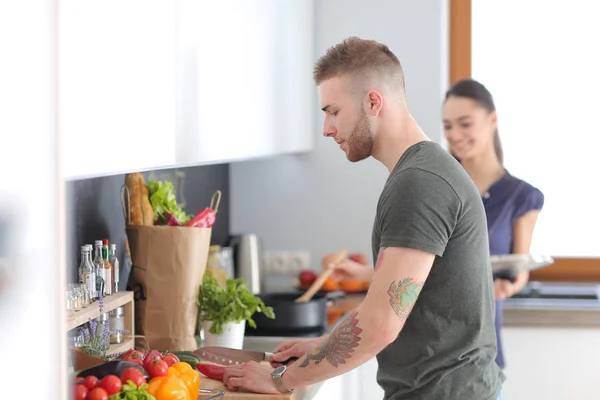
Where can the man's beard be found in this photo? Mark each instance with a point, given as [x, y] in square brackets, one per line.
[360, 141]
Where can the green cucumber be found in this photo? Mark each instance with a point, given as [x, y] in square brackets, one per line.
[187, 357]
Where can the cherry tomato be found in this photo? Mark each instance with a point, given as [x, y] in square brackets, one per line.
[81, 392]
[90, 382]
[170, 359]
[134, 356]
[79, 379]
[111, 383]
[157, 368]
[134, 375]
[151, 356]
[97, 394]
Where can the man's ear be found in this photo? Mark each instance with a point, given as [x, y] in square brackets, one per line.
[374, 103]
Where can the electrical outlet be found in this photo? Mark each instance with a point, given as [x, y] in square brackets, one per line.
[297, 261]
[275, 262]
[286, 262]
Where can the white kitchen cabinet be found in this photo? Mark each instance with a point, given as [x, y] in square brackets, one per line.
[367, 378]
[244, 79]
[551, 363]
[116, 86]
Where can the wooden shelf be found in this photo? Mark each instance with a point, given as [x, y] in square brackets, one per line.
[92, 311]
[127, 344]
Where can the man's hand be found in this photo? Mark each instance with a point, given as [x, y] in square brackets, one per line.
[350, 271]
[293, 348]
[250, 376]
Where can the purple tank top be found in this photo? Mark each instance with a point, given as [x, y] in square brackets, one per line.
[506, 200]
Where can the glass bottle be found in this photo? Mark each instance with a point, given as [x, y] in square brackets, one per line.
[99, 268]
[108, 283]
[80, 276]
[88, 273]
[115, 267]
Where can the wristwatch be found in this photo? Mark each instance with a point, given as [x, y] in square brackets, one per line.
[277, 375]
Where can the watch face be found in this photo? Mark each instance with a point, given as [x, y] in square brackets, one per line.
[279, 370]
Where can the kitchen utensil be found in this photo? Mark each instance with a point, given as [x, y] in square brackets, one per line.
[229, 356]
[321, 279]
[248, 260]
[291, 318]
[216, 393]
[508, 266]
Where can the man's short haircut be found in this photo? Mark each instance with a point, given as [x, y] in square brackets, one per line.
[363, 62]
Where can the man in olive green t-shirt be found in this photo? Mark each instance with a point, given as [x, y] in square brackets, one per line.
[428, 316]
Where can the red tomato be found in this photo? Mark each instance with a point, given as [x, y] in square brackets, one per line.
[97, 394]
[81, 392]
[79, 379]
[157, 368]
[111, 383]
[134, 356]
[170, 359]
[307, 277]
[134, 375]
[151, 356]
[90, 382]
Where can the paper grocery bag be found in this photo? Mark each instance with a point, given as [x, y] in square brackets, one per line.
[168, 266]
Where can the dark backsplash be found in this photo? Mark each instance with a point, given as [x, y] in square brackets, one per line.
[94, 209]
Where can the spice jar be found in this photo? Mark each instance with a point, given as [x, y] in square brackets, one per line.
[77, 297]
[70, 301]
[117, 323]
[102, 320]
[86, 298]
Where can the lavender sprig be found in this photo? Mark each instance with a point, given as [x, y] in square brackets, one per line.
[100, 300]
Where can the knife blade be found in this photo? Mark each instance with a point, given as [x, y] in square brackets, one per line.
[229, 356]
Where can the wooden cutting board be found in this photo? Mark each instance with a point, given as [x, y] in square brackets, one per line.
[206, 383]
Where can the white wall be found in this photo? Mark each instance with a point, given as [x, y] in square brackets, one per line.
[32, 296]
[319, 201]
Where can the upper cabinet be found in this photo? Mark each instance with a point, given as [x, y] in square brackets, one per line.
[244, 85]
[116, 86]
[145, 85]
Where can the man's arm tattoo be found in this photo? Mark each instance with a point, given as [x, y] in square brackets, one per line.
[403, 296]
[339, 345]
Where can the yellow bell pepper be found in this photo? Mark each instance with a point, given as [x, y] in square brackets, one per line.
[169, 388]
[188, 375]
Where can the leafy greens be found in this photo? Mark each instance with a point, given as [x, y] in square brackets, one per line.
[230, 303]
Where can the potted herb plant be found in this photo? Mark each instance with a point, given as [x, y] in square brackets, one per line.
[224, 311]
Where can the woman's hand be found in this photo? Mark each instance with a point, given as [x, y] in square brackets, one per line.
[503, 289]
[350, 271]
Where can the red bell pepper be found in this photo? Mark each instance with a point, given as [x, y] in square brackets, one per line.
[171, 220]
[204, 219]
[211, 371]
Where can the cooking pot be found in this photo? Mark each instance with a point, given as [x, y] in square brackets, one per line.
[292, 318]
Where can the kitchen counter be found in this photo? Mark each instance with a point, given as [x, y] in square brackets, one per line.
[572, 305]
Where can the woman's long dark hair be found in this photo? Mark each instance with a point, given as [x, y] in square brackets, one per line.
[471, 89]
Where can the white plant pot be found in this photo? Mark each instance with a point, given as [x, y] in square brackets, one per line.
[232, 336]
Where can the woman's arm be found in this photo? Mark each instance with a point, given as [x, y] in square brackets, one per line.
[522, 235]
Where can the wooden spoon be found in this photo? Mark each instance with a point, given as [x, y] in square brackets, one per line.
[314, 288]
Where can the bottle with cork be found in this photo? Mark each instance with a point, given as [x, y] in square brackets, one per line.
[108, 276]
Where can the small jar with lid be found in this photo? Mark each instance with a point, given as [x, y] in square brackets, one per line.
[117, 323]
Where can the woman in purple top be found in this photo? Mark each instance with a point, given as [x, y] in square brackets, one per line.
[511, 204]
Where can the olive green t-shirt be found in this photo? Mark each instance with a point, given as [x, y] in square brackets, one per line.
[447, 348]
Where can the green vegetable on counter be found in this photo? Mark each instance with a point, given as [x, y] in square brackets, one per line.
[231, 303]
[163, 199]
[130, 392]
